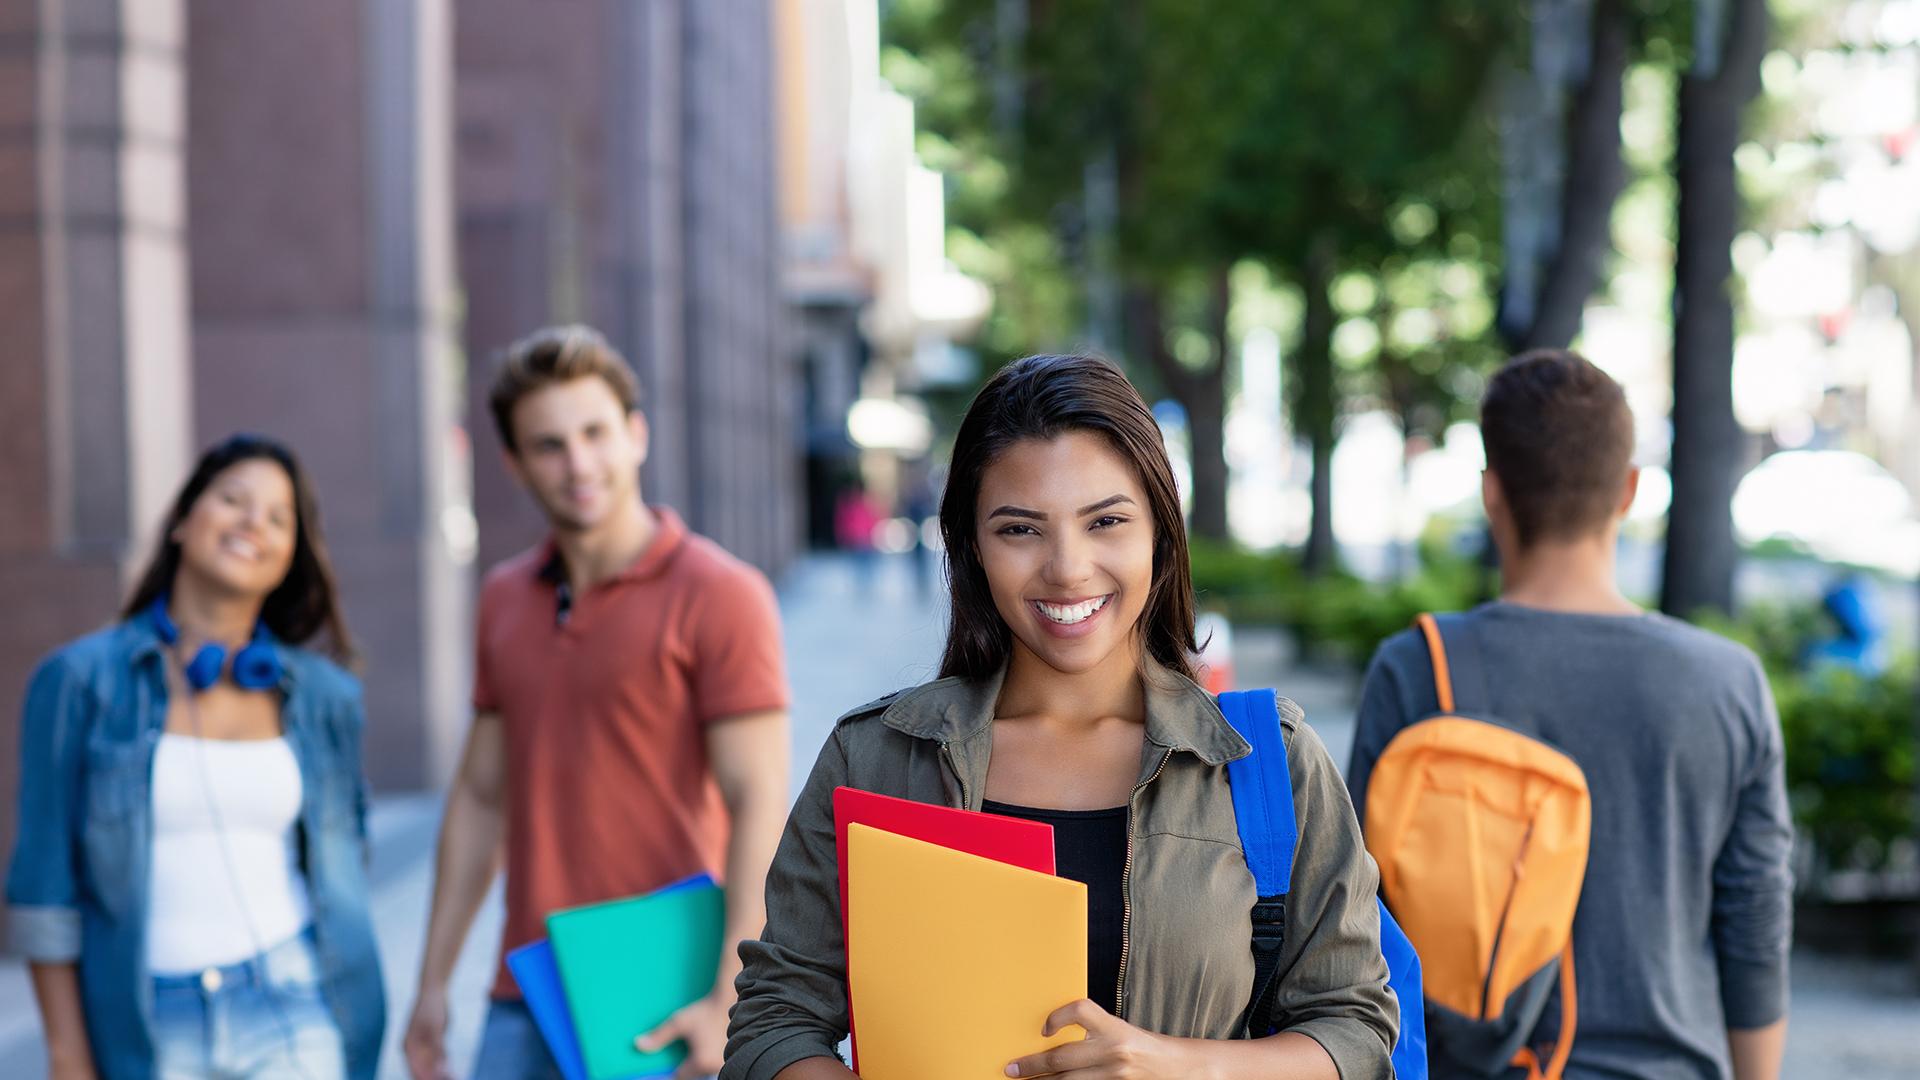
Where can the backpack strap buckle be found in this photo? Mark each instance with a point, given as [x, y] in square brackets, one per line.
[1269, 935]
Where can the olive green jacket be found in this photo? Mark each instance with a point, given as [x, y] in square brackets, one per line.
[1186, 962]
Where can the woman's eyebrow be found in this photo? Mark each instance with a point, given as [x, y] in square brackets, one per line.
[1035, 515]
[1017, 511]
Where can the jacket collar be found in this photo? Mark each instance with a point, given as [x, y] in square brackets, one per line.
[1180, 715]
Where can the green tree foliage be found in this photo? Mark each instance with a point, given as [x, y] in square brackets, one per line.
[1165, 141]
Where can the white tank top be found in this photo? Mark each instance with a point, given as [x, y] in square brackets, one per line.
[226, 870]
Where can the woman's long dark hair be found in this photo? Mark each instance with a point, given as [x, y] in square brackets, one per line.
[1042, 397]
[305, 602]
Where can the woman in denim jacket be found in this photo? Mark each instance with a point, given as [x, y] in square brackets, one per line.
[190, 880]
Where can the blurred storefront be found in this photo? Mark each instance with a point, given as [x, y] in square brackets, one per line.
[878, 305]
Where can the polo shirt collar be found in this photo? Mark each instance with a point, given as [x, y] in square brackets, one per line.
[670, 534]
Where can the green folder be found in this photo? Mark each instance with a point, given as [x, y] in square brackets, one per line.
[627, 965]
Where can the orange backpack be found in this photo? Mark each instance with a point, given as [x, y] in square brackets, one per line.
[1481, 834]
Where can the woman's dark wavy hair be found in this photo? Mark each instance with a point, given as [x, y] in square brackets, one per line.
[305, 602]
[1042, 397]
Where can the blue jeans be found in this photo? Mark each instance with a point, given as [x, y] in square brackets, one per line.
[261, 1019]
[511, 1047]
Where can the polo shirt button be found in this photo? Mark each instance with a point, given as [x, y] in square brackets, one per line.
[211, 980]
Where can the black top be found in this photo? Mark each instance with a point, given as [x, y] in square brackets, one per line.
[1089, 846]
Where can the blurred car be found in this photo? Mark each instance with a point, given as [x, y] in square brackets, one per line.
[1841, 506]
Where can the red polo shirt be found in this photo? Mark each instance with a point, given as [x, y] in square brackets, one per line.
[605, 708]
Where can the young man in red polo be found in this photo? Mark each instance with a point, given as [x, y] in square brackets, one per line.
[630, 699]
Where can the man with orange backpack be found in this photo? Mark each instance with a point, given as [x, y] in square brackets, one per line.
[1578, 807]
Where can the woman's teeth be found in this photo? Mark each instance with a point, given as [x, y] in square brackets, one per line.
[1072, 613]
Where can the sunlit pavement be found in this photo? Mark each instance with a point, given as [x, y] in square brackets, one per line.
[855, 632]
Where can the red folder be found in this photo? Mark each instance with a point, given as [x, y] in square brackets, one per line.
[1015, 841]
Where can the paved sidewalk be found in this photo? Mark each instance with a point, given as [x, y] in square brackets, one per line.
[852, 638]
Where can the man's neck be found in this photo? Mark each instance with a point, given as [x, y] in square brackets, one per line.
[1573, 576]
[594, 555]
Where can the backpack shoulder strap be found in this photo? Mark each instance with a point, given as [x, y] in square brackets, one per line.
[1269, 832]
[1457, 675]
[1437, 655]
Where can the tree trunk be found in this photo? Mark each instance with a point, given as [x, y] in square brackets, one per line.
[1203, 396]
[1595, 175]
[1314, 402]
[1707, 441]
[1206, 404]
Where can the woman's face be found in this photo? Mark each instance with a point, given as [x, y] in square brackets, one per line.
[1066, 538]
[240, 533]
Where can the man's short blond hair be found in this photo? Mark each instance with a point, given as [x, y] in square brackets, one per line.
[552, 355]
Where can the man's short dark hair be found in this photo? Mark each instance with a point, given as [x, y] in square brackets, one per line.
[557, 354]
[1559, 437]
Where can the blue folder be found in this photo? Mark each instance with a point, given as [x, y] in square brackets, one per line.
[534, 968]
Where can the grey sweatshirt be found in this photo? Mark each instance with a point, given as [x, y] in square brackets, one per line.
[1685, 917]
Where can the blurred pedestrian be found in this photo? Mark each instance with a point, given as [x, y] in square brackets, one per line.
[922, 503]
[1071, 641]
[189, 885]
[1683, 923]
[856, 521]
[630, 698]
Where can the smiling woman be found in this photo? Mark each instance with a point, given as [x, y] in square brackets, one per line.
[189, 883]
[1070, 641]
[1060, 481]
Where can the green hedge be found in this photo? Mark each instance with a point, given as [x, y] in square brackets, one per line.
[1851, 763]
[1853, 766]
[1337, 616]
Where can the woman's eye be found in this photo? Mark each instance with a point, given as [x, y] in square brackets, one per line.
[1018, 530]
[1108, 521]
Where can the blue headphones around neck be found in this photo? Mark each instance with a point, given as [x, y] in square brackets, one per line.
[255, 667]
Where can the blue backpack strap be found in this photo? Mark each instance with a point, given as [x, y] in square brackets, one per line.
[1269, 831]
[1403, 975]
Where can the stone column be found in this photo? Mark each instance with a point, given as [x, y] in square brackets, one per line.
[744, 464]
[325, 313]
[616, 166]
[95, 413]
[529, 96]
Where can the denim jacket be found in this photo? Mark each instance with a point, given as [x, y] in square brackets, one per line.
[78, 888]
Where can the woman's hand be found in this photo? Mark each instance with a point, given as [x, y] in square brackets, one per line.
[1112, 1050]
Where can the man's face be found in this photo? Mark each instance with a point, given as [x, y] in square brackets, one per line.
[579, 452]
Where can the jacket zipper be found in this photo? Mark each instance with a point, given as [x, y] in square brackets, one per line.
[1126, 893]
[1506, 908]
[946, 755]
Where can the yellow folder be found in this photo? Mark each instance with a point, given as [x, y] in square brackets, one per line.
[955, 960]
